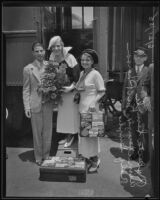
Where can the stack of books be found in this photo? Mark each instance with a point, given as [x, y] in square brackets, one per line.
[92, 124]
[63, 169]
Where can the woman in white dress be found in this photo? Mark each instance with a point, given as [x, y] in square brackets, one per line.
[92, 88]
[68, 117]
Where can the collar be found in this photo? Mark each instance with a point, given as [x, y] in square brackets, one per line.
[66, 50]
[65, 53]
[69, 58]
[39, 65]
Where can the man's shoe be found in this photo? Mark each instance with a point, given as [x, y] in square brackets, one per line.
[39, 162]
[47, 158]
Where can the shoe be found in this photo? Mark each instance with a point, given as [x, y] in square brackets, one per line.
[88, 163]
[38, 162]
[94, 166]
[68, 144]
[47, 158]
[62, 141]
[134, 156]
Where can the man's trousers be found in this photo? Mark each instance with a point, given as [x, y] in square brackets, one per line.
[42, 131]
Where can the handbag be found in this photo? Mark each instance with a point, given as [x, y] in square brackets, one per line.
[77, 97]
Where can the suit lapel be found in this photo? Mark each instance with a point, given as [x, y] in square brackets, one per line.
[142, 73]
[134, 72]
[35, 71]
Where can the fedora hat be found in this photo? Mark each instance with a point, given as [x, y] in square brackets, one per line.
[141, 51]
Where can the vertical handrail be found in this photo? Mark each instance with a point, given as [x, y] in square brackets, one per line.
[114, 40]
[122, 37]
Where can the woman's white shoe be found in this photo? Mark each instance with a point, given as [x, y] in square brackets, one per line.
[62, 141]
[67, 144]
[94, 167]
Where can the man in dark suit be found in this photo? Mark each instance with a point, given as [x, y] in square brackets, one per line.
[133, 105]
[151, 86]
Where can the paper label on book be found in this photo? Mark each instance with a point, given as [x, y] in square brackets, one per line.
[97, 124]
[97, 117]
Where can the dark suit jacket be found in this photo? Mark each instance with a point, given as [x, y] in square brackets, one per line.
[134, 78]
[148, 86]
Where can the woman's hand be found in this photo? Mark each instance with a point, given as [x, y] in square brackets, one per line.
[67, 89]
[92, 106]
[80, 89]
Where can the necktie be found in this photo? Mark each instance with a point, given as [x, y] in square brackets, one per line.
[138, 71]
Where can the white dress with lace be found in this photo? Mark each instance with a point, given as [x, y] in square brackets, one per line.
[93, 83]
[68, 116]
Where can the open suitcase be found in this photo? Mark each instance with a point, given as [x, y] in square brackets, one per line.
[63, 169]
[92, 124]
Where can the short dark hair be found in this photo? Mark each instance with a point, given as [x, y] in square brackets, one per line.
[92, 53]
[36, 43]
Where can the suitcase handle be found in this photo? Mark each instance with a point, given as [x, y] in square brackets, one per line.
[67, 152]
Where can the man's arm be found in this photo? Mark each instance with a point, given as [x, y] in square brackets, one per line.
[146, 89]
[26, 92]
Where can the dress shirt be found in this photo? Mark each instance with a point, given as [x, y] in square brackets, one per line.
[139, 68]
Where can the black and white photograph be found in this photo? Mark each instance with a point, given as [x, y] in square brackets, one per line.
[80, 99]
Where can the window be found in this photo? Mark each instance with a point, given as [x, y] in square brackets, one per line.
[82, 17]
[73, 24]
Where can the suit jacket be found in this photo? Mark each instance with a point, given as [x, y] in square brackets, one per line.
[134, 77]
[31, 79]
[148, 86]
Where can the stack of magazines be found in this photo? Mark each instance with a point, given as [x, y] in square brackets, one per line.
[92, 124]
[64, 162]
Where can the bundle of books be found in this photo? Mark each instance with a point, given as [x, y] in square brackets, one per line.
[63, 169]
[64, 162]
[92, 124]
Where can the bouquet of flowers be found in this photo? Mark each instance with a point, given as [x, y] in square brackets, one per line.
[53, 80]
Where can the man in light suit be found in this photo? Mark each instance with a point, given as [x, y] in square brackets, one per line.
[39, 112]
[133, 105]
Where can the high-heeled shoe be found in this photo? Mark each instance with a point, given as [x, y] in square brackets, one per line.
[69, 143]
[62, 141]
[94, 166]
